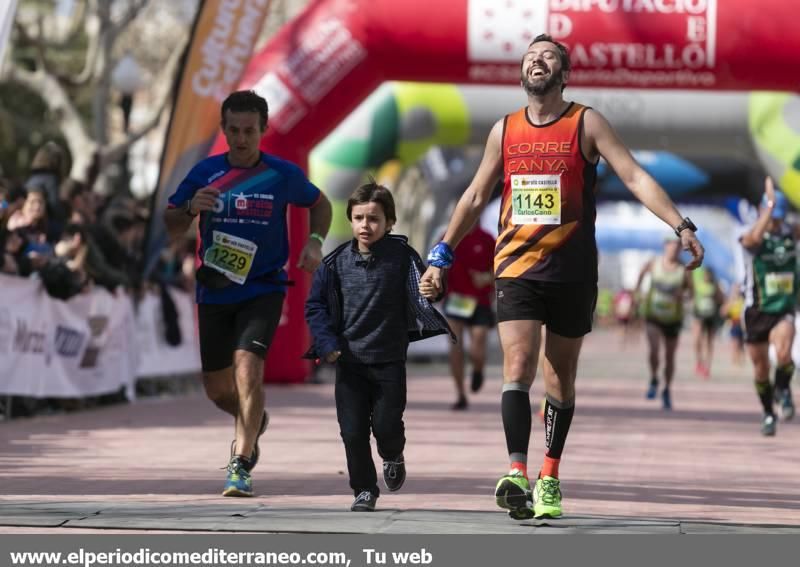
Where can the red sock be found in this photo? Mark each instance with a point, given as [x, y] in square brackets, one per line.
[522, 467]
[550, 467]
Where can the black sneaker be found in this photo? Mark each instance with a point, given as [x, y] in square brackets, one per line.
[394, 473]
[461, 404]
[254, 456]
[477, 380]
[364, 502]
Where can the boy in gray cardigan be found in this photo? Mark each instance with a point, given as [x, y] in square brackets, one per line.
[363, 310]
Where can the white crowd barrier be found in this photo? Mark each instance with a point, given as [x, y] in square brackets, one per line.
[157, 358]
[92, 344]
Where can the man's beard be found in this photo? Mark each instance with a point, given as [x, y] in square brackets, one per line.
[539, 88]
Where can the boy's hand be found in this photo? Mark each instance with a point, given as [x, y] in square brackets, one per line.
[333, 356]
[428, 289]
[430, 285]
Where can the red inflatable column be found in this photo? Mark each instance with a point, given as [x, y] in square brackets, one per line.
[284, 361]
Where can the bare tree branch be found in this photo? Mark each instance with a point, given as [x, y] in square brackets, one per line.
[35, 41]
[135, 8]
[104, 32]
[75, 26]
[92, 53]
[102, 71]
[58, 102]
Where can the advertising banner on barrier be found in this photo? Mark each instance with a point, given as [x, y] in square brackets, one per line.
[157, 358]
[92, 344]
[75, 348]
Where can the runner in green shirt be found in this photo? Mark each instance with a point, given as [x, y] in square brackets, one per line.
[770, 288]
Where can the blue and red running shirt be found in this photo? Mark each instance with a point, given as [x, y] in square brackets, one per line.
[246, 236]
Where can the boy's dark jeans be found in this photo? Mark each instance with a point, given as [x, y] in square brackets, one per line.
[370, 396]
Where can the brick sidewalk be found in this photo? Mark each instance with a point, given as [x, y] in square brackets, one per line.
[628, 465]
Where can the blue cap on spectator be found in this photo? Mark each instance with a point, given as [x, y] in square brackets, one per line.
[781, 205]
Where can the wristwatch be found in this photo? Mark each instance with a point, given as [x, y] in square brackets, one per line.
[187, 208]
[685, 223]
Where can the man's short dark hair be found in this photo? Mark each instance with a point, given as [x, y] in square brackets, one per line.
[563, 54]
[373, 193]
[246, 101]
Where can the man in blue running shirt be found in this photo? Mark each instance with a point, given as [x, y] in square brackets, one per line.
[241, 198]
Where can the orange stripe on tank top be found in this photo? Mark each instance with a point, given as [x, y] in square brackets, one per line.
[524, 233]
[545, 246]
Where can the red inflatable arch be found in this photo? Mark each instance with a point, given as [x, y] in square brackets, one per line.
[320, 66]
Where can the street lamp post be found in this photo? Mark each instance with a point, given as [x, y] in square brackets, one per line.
[126, 78]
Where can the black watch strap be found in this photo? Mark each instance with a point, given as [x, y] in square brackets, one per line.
[685, 223]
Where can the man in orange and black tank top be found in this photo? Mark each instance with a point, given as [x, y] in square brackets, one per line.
[545, 256]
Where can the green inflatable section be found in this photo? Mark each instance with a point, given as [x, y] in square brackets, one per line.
[775, 128]
[399, 121]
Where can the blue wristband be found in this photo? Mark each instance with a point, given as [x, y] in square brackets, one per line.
[441, 256]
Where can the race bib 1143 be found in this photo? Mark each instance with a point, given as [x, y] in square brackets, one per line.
[536, 199]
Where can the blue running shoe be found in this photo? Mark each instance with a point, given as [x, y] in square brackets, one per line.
[652, 390]
[666, 400]
[238, 482]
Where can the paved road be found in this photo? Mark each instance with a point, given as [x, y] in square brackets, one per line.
[629, 467]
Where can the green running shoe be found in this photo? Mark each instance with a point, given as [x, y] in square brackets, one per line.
[513, 492]
[547, 498]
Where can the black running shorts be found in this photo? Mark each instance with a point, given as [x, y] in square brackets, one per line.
[757, 325]
[482, 317]
[248, 325]
[566, 309]
[669, 330]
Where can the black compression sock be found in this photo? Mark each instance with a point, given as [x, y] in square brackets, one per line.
[557, 419]
[516, 410]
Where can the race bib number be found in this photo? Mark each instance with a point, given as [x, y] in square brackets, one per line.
[231, 255]
[706, 307]
[457, 305]
[536, 199]
[779, 283]
[663, 306]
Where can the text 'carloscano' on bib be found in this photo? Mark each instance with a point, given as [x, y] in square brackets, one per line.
[536, 199]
